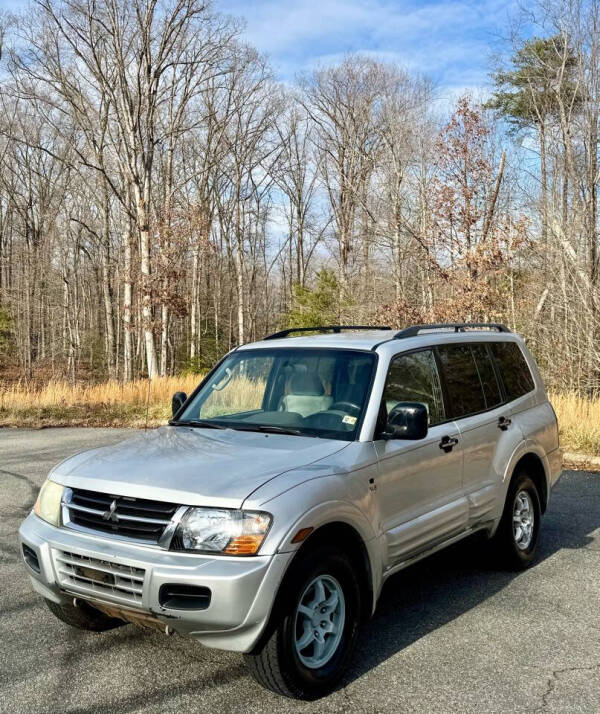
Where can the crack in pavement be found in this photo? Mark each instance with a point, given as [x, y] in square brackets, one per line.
[554, 679]
[28, 480]
[23, 510]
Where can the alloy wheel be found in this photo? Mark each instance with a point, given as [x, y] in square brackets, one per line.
[319, 623]
[523, 520]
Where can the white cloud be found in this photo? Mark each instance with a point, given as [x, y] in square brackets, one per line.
[438, 37]
[449, 40]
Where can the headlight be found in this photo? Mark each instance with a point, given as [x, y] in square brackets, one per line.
[47, 505]
[216, 530]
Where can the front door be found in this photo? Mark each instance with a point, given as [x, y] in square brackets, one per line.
[419, 487]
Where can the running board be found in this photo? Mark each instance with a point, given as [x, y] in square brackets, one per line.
[430, 551]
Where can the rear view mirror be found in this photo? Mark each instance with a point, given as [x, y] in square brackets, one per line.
[177, 402]
[407, 420]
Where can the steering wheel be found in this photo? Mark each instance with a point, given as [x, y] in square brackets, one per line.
[345, 407]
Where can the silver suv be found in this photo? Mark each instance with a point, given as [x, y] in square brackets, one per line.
[300, 475]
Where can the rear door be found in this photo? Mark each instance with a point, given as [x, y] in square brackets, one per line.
[419, 487]
[476, 402]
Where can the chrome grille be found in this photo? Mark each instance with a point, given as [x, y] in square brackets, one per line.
[136, 518]
[102, 579]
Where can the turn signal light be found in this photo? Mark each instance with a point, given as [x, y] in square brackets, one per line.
[302, 534]
[244, 545]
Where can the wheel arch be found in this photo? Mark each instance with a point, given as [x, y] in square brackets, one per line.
[533, 463]
[349, 540]
[333, 532]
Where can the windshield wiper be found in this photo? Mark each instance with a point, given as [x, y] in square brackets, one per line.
[199, 423]
[269, 429]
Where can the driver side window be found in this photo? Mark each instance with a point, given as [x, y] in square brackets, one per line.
[414, 377]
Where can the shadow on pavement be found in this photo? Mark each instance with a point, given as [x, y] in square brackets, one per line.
[444, 586]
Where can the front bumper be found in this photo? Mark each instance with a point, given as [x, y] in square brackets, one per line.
[242, 589]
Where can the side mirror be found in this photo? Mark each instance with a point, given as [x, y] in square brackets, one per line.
[177, 401]
[407, 420]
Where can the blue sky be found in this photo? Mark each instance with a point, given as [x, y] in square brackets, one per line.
[451, 41]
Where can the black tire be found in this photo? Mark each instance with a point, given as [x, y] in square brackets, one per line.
[83, 616]
[509, 555]
[276, 664]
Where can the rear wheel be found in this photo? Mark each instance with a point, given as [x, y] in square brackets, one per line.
[83, 616]
[517, 536]
[314, 629]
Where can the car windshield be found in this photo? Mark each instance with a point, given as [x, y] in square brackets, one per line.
[312, 392]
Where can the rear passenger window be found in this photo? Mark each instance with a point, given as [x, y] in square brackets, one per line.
[414, 377]
[462, 380]
[487, 375]
[514, 369]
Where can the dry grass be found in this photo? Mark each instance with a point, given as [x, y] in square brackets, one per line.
[579, 422]
[239, 395]
[117, 404]
[109, 403]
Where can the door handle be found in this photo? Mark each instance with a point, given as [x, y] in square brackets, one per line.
[448, 443]
[504, 423]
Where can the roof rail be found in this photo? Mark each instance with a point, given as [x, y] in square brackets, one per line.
[414, 330]
[323, 328]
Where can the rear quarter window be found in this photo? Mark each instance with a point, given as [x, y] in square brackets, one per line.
[514, 369]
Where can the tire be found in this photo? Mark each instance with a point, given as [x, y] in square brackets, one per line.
[280, 663]
[83, 616]
[516, 549]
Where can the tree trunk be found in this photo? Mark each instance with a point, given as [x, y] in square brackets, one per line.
[106, 284]
[164, 338]
[142, 203]
[194, 301]
[239, 267]
[127, 297]
[544, 178]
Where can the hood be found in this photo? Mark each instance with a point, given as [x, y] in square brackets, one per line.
[192, 466]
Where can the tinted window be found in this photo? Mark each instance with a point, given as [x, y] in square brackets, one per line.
[414, 378]
[487, 375]
[514, 369]
[462, 380]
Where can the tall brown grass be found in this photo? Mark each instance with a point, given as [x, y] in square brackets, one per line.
[134, 403]
[579, 422]
[241, 394]
[110, 403]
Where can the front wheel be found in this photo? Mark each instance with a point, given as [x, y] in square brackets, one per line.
[314, 632]
[518, 534]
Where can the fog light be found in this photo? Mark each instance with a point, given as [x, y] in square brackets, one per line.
[30, 557]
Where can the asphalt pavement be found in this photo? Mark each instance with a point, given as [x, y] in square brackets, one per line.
[450, 634]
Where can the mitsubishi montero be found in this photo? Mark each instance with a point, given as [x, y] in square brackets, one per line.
[300, 475]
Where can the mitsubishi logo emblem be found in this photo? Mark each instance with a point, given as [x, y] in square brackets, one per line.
[110, 515]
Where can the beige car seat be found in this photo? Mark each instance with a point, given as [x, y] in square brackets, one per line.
[307, 395]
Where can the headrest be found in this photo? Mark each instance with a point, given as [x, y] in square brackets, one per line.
[307, 385]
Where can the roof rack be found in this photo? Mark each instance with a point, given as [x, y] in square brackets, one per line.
[415, 330]
[324, 328]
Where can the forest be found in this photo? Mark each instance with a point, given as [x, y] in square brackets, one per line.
[164, 197]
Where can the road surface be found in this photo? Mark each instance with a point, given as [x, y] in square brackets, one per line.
[450, 634]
